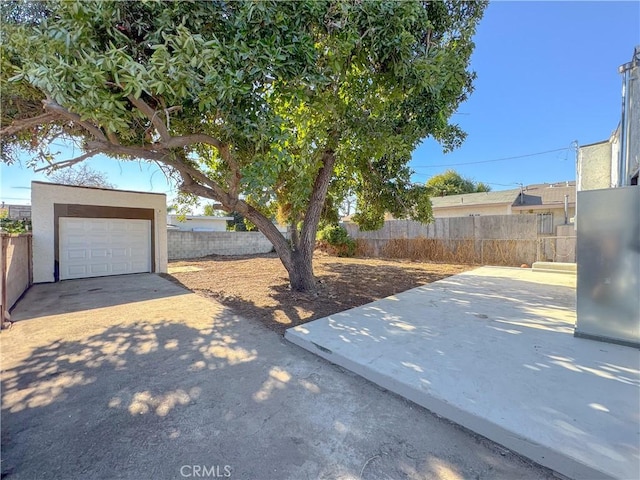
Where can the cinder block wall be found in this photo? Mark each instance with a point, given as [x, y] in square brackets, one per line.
[184, 244]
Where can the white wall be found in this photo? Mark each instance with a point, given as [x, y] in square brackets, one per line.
[594, 166]
[45, 195]
[191, 222]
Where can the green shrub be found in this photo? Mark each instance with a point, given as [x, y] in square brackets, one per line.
[8, 225]
[338, 239]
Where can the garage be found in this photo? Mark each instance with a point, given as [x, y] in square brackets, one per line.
[96, 247]
[83, 232]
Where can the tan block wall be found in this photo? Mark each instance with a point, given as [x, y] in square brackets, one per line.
[16, 263]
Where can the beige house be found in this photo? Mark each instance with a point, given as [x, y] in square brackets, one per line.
[555, 204]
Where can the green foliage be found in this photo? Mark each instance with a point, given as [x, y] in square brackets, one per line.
[9, 225]
[213, 210]
[280, 87]
[337, 237]
[452, 183]
[237, 224]
[482, 187]
[249, 226]
[280, 81]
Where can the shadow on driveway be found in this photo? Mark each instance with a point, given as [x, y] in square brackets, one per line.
[157, 386]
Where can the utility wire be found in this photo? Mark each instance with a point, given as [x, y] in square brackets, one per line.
[494, 160]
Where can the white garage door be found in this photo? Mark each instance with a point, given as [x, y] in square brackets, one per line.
[95, 247]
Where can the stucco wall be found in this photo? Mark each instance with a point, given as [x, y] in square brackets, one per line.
[16, 263]
[466, 211]
[45, 195]
[186, 244]
[594, 166]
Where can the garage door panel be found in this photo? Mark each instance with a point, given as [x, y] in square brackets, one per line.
[118, 253]
[103, 246]
[120, 268]
[76, 239]
[138, 264]
[96, 227]
[76, 254]
[99, 253]
[119, 228]
[96, 239]
[99, 269]
[78, 270]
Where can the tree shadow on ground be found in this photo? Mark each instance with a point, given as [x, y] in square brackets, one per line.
[341, 286]
[128, 387]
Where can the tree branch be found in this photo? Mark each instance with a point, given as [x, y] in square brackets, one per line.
[153, 116]
[134, 152]
[113, 138]
[316, 202]
[60, 110]
[67, 163]
[215, 192]
[19, 125]
[178, 142]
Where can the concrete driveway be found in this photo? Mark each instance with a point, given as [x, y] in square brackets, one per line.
[134, 377]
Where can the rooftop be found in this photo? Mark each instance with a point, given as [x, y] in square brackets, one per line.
[536, 194]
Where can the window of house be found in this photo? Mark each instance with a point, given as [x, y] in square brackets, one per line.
[545, 223]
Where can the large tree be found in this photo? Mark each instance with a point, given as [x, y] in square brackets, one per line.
[452, 183]
[269, 108]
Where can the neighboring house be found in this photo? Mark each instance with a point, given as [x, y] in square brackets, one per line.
[597, 164]
[616, 162]
[553, 203]
[16, 212]
[203, 223]
[81, 232]
[608, 225]
[198, 223]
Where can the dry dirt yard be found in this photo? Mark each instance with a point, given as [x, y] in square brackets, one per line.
[257, 286]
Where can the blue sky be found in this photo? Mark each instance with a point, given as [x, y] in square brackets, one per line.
[547, 76]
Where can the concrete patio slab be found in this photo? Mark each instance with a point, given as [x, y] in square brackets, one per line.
[133, 377]
[493, 350]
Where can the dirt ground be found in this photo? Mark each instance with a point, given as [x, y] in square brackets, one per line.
[257, 286]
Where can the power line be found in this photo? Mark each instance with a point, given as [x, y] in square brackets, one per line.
[494, 160]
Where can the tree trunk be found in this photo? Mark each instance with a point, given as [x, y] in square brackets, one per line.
[297, 255]
[300, 271]
[301, 268]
